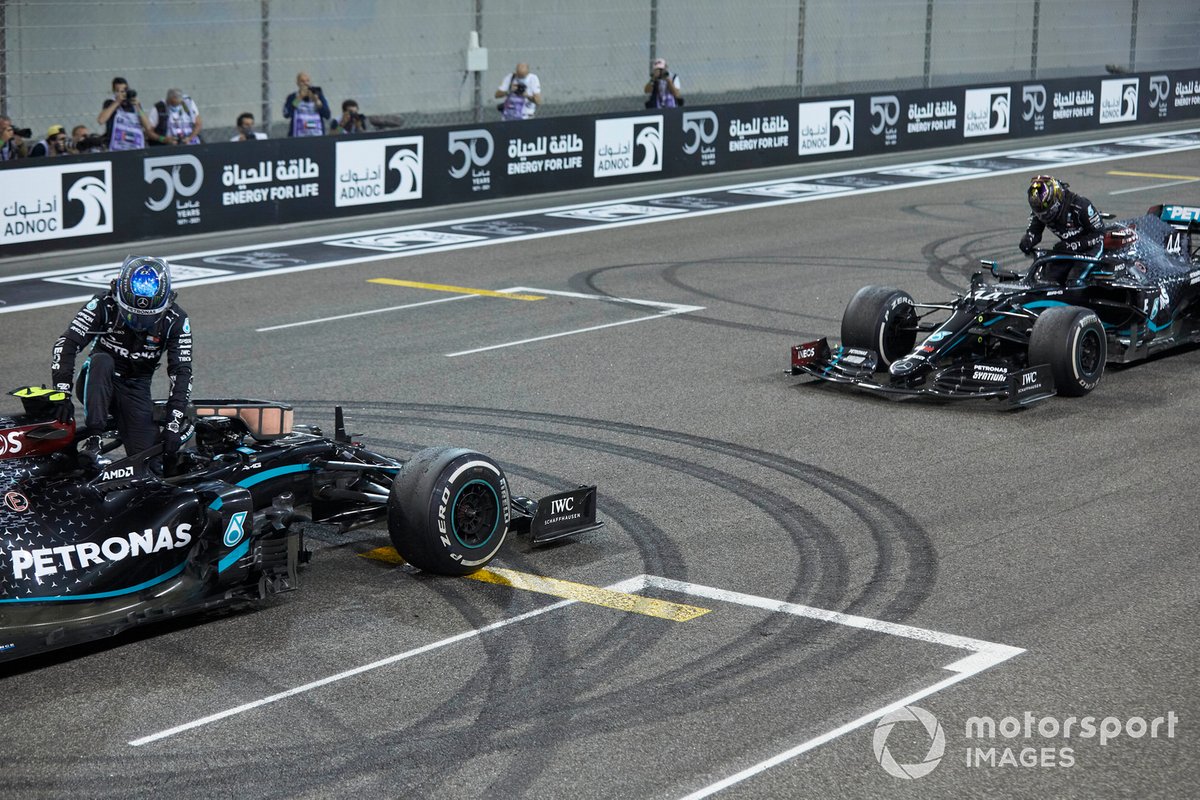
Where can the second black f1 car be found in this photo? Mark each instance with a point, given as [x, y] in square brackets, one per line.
[90, 547]
[1025, 337]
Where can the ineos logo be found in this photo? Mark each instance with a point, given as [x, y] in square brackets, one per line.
[703, 127]
[468, 143]
[1160, 87]
[1034, 98]
[10, 443]
[169, 170]
[887, 109]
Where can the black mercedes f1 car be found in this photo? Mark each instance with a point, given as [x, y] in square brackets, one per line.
[90, 547]
[1023, 337]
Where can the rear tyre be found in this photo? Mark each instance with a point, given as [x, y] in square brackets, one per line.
[448, 511]
[882, 319]
[1072, 341]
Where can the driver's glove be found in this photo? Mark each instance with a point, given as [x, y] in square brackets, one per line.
[1027, 244]
[64, 409]
[177, 429]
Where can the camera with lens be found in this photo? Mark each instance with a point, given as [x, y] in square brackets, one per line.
[518, 87]
[131, 94]
[24, 133]
[93, 141]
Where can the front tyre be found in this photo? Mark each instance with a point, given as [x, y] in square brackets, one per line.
[1072, 341]
[882, 319]
[448, 511]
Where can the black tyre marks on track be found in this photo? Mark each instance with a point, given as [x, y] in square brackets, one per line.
[544, 719]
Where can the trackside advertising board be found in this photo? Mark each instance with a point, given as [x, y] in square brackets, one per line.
[77, 201]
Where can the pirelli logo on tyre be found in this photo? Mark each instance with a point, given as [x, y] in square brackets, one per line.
[379, 171]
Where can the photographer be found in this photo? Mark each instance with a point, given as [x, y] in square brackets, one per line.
[663, 87]
[522, 93]
[306, 108]
[351, 121]
[175, 121]
[12, 140]
[84, 141]
[125, 124]
[55, 144]
[245, 129]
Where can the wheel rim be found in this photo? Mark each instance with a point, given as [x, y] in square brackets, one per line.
[1089, 353]
[895, 343]
[475, 514]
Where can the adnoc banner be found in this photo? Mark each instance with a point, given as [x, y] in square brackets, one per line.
[107, 198]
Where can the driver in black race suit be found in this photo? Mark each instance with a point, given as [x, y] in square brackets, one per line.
[132, 324]
[1071, 216]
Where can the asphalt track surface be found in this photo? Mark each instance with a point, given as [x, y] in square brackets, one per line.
[1064, 533]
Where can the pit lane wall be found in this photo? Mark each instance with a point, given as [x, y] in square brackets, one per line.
[112, 198]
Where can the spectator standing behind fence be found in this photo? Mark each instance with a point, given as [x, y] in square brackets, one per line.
[177, 120]
[351, 122]
[55, 143]
[522, 93]
[245, 129]
[663, 87]
[125, 124]
[12, 146]
[306, 108]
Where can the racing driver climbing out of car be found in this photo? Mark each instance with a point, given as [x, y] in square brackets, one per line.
[1072, 217]
[132, 325]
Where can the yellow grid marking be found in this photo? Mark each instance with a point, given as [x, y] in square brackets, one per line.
[439, 287]
[594, 595]
[1155, 175]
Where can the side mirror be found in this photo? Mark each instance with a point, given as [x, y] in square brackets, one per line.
[993, 267]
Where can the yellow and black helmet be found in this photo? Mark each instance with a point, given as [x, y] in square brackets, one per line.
[1045, 197]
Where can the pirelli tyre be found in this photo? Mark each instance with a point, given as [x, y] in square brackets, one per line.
[448, 511]
[882, 319]
[1072, 341]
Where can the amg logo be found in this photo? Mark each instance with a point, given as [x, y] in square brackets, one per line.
[117, 474]
[562, 505]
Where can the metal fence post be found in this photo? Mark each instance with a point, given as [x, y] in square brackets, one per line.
[265, 21]
[800, 50]
[1133, 37]
[1033, 47]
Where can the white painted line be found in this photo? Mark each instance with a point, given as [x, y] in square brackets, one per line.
[1018, 168]
[1154, 186]
[629, 585]
[669, 309]
[984, 655]
[366, 313]
[995, 652]
[824, 738]
[308, 687]
[558, 335]
[608, 298]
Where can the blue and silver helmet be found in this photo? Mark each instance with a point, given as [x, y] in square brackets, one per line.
[143, 291]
